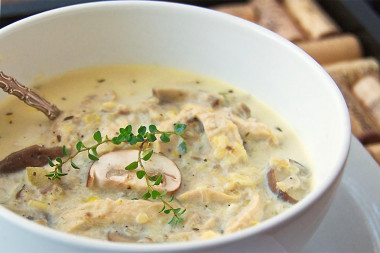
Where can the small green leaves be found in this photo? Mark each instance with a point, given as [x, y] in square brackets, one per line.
[142, 130]
[179, 128]
[163, 208]
[98, 137]
[79, 145]
[153, 129]
[171, 199]
[146, 195]
[132, 166]
[151, 137]
[50, 162]
[144, 138]
[155, 194]
[165, 137]
[158, 180]
[182, 147]
[74, 165]
[64, 151]
[140, 174]
[92, 157]
[147, 156]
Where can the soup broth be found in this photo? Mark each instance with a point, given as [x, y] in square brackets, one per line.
[243, 163]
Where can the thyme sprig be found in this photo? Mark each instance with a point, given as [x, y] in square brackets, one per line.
[145, 137]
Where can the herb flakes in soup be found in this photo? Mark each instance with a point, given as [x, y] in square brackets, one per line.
[149, 154]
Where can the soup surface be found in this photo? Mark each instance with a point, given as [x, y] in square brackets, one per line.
[243, 163]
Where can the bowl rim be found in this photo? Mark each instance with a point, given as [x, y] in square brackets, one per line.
[261, 229]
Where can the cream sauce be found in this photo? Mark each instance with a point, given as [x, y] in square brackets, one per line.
[227, 189]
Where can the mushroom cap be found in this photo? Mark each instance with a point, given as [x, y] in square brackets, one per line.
[109, 172]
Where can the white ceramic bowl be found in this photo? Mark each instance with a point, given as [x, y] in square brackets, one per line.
[202, 41]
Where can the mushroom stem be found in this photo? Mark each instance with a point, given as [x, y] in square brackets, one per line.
[31, 98]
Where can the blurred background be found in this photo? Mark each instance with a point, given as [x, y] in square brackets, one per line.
[341, 35]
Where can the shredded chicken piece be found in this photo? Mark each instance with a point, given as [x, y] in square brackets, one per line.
[106, 212]
[249, 216]
[170, 95]
[206, 195]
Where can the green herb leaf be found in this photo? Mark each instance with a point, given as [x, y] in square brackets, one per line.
[164, 193]
[151, 137]
[171, 199]
[79, 145]
[74, 165]
[139, 138]
[165, 137]
[142, 130]
[133, 139]
[146, 195]
[123, 132]
[64, 151]
[140, 174]
[128, 129]
[163, 208]
[50, 162]
[181, 212]
[132, 166]
[50, 174]
[158, 181]
[115, 140]
[59, 160]
[172, 220]
[98, 137]
[148, 156]
[152, 178]
[92, 157]
[94, 151]
[155, 194]
[167, 211]
[179, 128]
[182, 147]
[153, 129]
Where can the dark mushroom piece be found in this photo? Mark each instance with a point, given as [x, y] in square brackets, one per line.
[272, 183]
[33, 156]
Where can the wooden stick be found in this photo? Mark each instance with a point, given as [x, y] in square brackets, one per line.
[363, 124]
[351, 71]
[11, 86]
[311, 18]
[241, 10]
[367, 91]
[333, 49]
[273, 16]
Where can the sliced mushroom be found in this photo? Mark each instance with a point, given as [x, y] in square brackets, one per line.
[109, 172]
[170, 95]
[33, 156]
[272, 182]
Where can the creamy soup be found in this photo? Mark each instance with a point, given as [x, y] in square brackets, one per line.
[243, 163]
